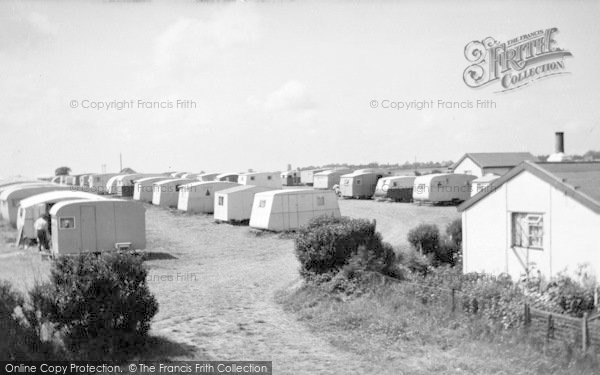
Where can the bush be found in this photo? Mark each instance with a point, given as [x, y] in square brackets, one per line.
[328, 244]
[100, 304]
[415, 262]
[454, 232]
[20, 339]
[425, 238]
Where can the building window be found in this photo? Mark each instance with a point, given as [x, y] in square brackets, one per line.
[262, 203]
[528, 230]
[220, 201]
[66, 223]
[251, 178]
[358, 181]
[320, 201]
[269, 177]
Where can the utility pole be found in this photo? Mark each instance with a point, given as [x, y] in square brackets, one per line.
[120, 162]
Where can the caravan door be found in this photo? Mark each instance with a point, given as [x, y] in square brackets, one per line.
[88, 228]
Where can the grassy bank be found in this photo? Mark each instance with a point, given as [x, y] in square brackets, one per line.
[387, 323]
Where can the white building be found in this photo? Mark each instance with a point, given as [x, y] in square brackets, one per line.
[481, 163]
[538, 217]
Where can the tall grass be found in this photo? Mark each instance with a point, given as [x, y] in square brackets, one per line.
[389, 322]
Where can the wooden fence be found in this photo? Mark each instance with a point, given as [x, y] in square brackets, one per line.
[583, 332]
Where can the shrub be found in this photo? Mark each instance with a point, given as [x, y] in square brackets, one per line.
[415, 262]
[328, 244]
[101, 304]
[425, 238]
[563, 295]
[20, 339]
[454, 232]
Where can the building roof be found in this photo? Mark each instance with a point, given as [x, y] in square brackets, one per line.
[579, 180]
[486, 178]
[496, 159]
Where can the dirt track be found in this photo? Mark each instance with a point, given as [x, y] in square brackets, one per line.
[215, 284]
[220, 295]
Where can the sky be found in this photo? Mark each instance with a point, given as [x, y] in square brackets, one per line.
[278, 82]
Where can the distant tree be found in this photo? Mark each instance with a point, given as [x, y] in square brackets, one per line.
[127, 170]
[592, 155]
[62, 171]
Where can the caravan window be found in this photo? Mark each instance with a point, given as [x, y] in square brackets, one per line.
[358, 181]
[527, 230]
[320, 201]
[251, 178]
[269, 177]
[66, 223]
[220, 201]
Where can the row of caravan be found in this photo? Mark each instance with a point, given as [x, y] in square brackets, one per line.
[261, 205]
[433, 188]
[78, 221]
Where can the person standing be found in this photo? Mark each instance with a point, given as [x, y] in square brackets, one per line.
[41, 227]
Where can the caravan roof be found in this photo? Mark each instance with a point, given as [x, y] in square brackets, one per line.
[5, 194]
[55, 196]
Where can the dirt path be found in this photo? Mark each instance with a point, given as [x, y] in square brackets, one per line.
[220, 296]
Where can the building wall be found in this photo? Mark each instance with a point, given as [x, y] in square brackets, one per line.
[467, 166]
[569, 230]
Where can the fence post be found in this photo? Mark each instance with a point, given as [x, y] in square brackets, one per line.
[584, 332]
[453, 296]
[526, 314]
[550, 329]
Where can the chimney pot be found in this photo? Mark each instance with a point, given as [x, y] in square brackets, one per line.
[560, 142]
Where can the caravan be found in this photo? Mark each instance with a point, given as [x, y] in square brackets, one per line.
[396, 188]
[281, 210]
[361, 183]
[290, 178]
[266, 179]
[12, 197]
[97, 225]
[200, 196]
[126, 184]
[235, 204]
[307, 176]
[231, 177]
[37, 205]
[97, 182]
[143, 188]
[328, 179]
[165, 193]
[207, 176]
[442, 188]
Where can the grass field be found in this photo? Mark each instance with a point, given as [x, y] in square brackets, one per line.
[216, 286]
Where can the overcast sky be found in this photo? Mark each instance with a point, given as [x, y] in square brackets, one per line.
[278, 82]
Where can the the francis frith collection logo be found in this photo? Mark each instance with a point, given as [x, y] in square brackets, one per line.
[516, 62]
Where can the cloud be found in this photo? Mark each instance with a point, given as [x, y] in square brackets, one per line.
[20, 32]
[292, 96]
[191, 41]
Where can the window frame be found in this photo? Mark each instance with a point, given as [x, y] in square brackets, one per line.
[64, 219]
